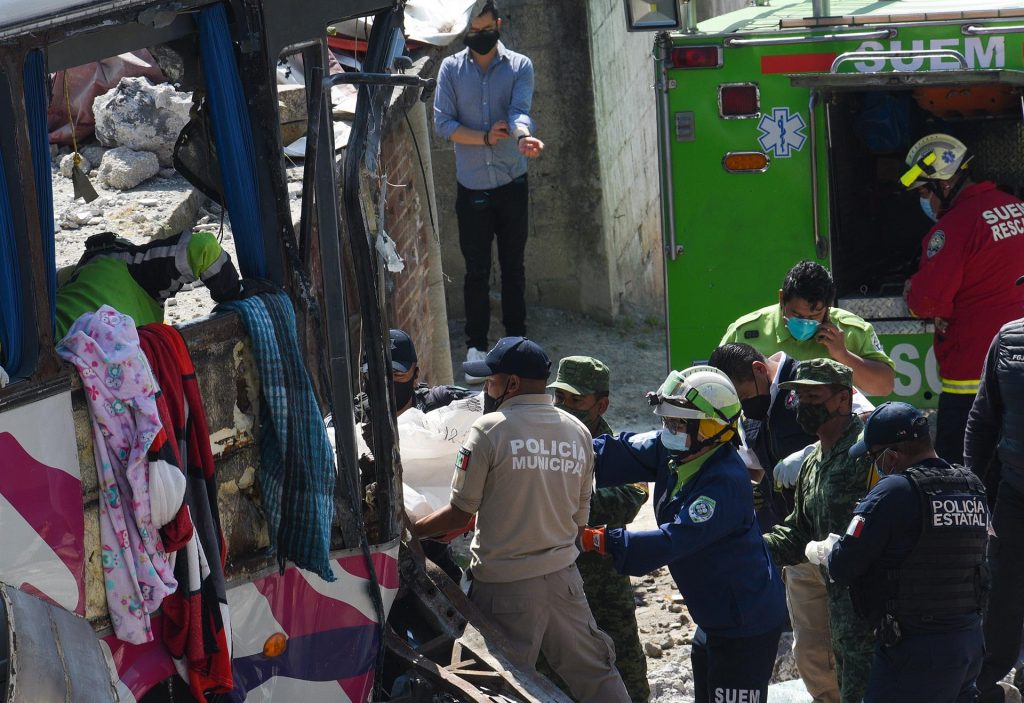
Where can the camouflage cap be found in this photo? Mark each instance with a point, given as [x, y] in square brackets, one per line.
[582, 375]
[820, 372]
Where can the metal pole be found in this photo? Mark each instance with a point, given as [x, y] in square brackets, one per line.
[821, 8]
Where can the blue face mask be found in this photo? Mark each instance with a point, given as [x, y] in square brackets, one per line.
[802, 329]
[926, 208]
[675, 442]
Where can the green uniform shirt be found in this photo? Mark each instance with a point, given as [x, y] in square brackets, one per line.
[829, 488]
[766, 331]
[105, 281]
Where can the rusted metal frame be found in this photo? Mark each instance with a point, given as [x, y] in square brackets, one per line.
[319, 190]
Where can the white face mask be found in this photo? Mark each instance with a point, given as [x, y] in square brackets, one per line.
[675, 442]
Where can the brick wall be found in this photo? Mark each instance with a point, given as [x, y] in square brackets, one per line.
[408, 223]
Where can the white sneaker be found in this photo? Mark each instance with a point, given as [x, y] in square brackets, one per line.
[474, 354]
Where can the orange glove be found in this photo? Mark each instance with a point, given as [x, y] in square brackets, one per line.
[592, 539]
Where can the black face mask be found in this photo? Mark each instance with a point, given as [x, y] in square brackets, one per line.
[756, 407]
[482, 42]
[811, 416]
[403, 392]
[492, 404]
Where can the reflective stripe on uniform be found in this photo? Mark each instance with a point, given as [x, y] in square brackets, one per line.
[961, 387]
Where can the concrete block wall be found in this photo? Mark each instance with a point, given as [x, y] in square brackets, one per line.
[626, 120]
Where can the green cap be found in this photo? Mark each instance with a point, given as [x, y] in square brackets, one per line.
[820, 372]
[582, 375]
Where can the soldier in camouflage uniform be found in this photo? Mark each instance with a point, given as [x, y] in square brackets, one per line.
[581, 389]
[829, 488]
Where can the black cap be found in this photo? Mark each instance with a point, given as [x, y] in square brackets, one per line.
[890, 423]
[403, 352]
[517, 356]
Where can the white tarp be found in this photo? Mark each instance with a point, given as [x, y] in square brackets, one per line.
[435, 22]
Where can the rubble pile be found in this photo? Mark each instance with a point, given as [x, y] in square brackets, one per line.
[142, 197]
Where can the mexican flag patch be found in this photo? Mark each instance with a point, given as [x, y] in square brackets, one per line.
[856, 526]
[462, 460]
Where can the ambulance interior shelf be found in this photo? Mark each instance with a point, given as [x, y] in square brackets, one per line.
[876, 226]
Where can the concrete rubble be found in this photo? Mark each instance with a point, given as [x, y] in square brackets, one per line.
[142, 116]
[123, 168]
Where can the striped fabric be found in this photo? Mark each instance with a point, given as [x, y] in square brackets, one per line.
[296, 467]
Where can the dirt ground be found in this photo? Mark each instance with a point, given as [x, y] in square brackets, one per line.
[633, 348]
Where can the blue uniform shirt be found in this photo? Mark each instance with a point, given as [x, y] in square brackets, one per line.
[708, 535]
[467, 97]
[885, 528]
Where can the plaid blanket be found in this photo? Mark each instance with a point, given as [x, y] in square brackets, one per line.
[297, 470]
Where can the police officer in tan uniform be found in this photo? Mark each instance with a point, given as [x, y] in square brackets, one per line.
[526, 471]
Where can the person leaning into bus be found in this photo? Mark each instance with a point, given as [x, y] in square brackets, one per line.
[970, 260]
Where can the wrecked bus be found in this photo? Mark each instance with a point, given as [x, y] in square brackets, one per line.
[387, 626]
[783, 129]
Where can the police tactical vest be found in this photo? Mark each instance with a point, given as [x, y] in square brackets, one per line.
[945, 573]
[1010, 374]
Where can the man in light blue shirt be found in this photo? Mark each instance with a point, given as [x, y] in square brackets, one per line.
[482, 105]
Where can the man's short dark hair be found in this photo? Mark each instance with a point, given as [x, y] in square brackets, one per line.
[735, 360]
[490, 7]
[812, 282]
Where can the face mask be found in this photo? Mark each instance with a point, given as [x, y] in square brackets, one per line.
[877, 464]
[482, 42]
[675, 442]
[403, 392]
[811, 417]
[492, 404]
[926, 208]
[581, 415]
[802, 329]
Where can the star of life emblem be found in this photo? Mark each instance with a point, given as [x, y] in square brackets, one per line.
[782, 132]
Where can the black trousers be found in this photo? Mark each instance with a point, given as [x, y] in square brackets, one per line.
[733, 668]
[951, 426]
[1005, 614]
[928, 668]
[486, 215]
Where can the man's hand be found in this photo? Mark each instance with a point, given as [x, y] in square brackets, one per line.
[834, 340]
[787, 471]
[941, 325]
[591, 539]
[498, 131]
[530, 147]
[817, 552]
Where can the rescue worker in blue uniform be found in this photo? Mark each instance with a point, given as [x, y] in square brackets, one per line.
[914, 559]
[708, 535]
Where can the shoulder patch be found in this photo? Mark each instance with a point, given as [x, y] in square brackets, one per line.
[462, 459]
[792, 402]
[701, 509]
[638, 441]
[876, 343]
[935, 244]
[856, 526]
[751, 334]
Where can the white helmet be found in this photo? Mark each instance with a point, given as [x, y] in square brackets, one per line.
[698, 393]
[937, 157]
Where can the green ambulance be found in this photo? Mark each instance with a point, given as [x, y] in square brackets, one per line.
[783, 130]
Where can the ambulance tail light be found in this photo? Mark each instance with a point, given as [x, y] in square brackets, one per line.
[696, 57]
[745, 162]
[739, 100]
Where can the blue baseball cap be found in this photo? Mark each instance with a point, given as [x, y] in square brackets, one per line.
[517, 356]
[403, 352]
[890, 423]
